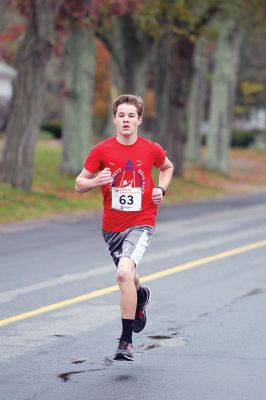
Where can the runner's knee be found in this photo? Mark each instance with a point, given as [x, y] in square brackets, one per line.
[124, 274]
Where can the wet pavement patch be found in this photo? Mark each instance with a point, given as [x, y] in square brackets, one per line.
[159, 337]
[175, 342]
[123, 378]
[66, 375]
[107, 361]
[166, 341]
[152, 346]
[79, 361]
[255, 292]
[173, 331]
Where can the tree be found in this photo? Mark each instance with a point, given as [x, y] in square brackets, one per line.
[252, 72]
[32, 58]
[197, 100]
[2, 15]
[181, 27]
[238, 17]
[78, 89]
[131, 50]
[101, 88]
[222, 96]
[172, 77]
[251, 94]
[169, 28]
[26, 113]
[84, 18]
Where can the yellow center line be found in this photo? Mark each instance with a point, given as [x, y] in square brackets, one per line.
[145, 278]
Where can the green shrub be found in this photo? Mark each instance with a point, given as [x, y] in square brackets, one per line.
[239, 138]
[243, 138]
[53, 126]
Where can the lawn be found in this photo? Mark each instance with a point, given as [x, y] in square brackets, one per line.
[53, 192]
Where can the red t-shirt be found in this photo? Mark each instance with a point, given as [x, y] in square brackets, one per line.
[131, 166]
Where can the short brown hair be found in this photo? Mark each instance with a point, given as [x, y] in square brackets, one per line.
[136, 101]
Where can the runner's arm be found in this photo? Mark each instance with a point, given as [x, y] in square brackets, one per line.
[165, 175]
[87, 181]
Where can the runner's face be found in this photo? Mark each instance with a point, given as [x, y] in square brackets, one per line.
[126, 120]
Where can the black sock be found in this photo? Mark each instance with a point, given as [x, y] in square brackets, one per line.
[141, 295]
[127, 329]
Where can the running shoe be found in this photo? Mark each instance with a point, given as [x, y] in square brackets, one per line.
[124, 351]
[141, 316]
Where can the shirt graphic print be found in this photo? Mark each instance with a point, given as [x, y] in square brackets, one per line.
[127, 188]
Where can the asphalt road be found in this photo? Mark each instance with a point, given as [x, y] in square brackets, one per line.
[206, 331]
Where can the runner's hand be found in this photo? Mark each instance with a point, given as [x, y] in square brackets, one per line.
[104, 177]
[157, 195]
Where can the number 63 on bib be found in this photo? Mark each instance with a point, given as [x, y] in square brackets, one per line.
[126, 199]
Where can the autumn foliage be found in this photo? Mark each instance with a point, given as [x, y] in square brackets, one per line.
[90, 14]
[101, 81]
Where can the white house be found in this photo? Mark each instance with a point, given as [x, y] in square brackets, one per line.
[7, 77]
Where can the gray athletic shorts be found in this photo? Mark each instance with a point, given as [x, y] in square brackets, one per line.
[130, 243]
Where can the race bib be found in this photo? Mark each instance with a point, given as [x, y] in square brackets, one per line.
[126, 199]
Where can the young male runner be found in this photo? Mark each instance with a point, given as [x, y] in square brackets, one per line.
[130, 203]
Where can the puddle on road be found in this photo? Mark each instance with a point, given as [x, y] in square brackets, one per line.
[255, 292]
[66, 375]
[157, 341]
[79, 361]
[73, 360]
[152, 347]
[123, 378]
[173, 331]
[159, 337]
[166, 340]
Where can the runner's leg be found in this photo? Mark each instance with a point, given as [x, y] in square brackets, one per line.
[136, 280]
[128, 300]
[128, 296]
